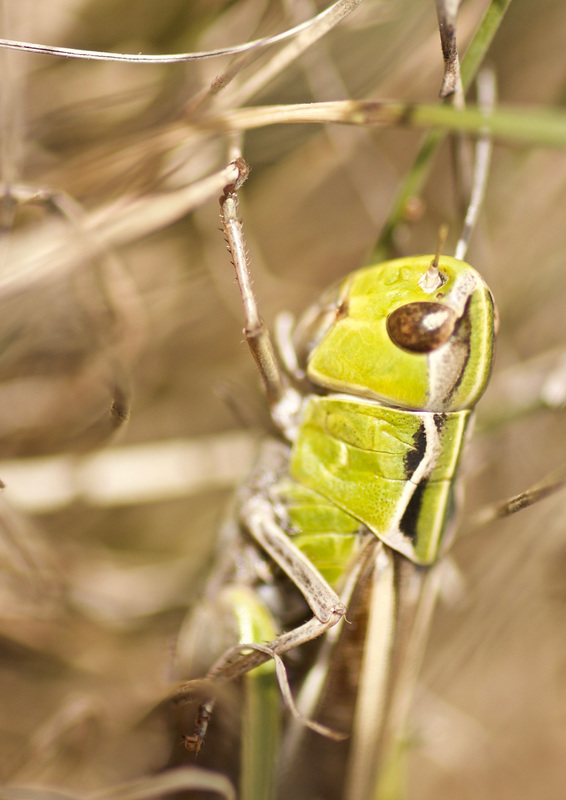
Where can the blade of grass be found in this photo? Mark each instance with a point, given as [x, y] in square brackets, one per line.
[417, 175]
[532, 126]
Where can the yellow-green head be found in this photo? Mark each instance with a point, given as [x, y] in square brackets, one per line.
[403, 333]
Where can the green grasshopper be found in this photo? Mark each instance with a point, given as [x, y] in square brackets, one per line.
[373, 404]
[259, 598]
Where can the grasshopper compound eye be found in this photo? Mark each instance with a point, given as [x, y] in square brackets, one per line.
[421, 327]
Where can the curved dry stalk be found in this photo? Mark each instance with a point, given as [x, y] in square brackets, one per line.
[328, 18]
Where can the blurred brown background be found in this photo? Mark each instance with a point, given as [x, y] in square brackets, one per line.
[93, 595]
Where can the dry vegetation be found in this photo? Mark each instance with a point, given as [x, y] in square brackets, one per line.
[92, 596]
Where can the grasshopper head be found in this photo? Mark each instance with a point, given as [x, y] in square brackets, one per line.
[389, 333]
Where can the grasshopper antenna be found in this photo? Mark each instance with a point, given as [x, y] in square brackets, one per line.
[432, 280]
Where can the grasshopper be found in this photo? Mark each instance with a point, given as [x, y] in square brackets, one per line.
[373, 402]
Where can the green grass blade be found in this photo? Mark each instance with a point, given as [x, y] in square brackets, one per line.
[417, 175]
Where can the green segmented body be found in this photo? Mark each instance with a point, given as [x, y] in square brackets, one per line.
[391, 469]
[326, 534]
[387, 451]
